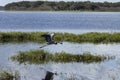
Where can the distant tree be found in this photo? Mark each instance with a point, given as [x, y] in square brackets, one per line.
[26, 4]
[61, 5]
[51, 5]
[37, 3]
[94, 7]
[77, 6]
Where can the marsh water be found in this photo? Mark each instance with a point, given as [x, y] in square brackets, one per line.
[76, 22]
[103, 71]
[72, 22]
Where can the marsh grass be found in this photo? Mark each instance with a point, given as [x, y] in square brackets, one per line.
[92, 37]
[21, 37]
[5, 75]
[41, 56]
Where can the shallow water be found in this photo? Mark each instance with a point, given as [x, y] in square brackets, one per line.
[106, 70]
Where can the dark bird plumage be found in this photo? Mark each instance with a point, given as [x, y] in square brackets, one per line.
[49, 39]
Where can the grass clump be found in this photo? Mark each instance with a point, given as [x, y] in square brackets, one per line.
[4, 75]
[92, 37]
[41, 56]
[21, 37]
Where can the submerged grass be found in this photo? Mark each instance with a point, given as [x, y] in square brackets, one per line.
[93, 37]
[41, 56]
[5, 75]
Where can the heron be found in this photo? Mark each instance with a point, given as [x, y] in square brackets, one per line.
[49, 39]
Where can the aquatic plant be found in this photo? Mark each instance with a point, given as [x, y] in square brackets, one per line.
[21, 36]
[41, 56]
[5, 75]
[92, 37]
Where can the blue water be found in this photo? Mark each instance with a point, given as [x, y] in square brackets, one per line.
[43, 21]
[106, 70]
[75, 22]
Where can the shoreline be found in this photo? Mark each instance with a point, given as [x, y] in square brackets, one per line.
[52, 11]
[73, 31]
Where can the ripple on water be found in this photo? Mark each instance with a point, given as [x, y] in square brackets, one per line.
[101, 71]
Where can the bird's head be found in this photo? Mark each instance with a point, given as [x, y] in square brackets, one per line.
[51, 34]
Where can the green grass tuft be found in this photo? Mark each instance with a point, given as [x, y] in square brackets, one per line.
[5, 75]
[92, 37]
[41, 56]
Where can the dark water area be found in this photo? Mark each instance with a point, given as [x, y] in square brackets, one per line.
[60, 21]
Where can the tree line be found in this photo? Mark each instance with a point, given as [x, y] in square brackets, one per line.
[63, 6]
[1, 8]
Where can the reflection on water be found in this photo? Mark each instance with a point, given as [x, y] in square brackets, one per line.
[108, 70]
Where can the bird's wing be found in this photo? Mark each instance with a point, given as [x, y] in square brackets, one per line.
[47, 38]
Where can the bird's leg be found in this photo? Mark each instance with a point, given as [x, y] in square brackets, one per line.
[44, 45]
[60, 42]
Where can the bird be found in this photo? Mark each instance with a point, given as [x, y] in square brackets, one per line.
[49, 75]
[49, 39]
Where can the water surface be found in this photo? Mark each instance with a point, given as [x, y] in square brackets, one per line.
[103, 71]
[72, 22]
[60, 21]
